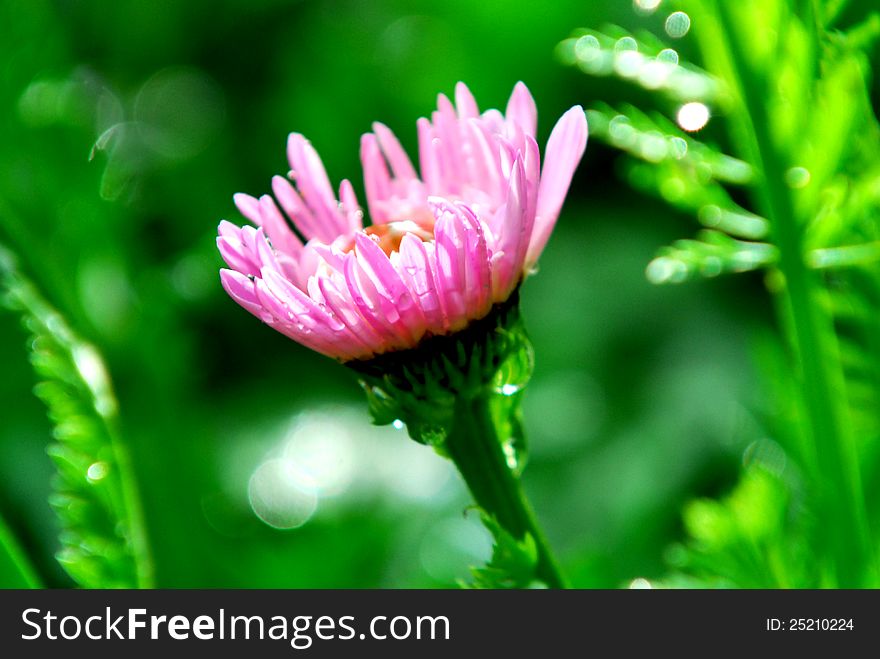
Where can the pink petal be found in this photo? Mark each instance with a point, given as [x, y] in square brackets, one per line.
[450, 241]
[513, 235]
[521, 109]
[479, 277]
[465, 102]
[373, 307]
[350, 207]
[400, 163]
[377, 265]
[236, 248]
[429, 159]
[564, 150]
[487, 155]
[346, 310]
[276, 227]
[296, 209]
[248, 206]
[302, 317]
[415, 270]
[241, 289]
[314, 186]
[377, 179]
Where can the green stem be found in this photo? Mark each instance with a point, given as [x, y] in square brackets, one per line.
[829, 450]
[16, 570]
[476, 449]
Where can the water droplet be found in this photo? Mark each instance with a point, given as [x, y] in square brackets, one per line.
[653, 146]
[668, 55]
[97, 471]
[646, 7]
[653, 74]
[797, 177]
[664, 270]
[510, 454]
[398, 424]
[677, 24]
[678, 147]
[640, 584]
[628, 63]
[587, 48]
[509, 389]
[620, 131]
[626, 43]
[693, 116]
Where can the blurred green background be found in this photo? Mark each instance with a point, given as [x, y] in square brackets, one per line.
[642, 397]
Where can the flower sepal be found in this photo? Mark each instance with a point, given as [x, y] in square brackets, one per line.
[491, 358]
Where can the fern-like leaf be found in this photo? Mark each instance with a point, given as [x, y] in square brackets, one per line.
[513, 561]
[102, 538]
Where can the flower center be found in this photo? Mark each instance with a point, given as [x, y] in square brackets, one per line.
[390, 234]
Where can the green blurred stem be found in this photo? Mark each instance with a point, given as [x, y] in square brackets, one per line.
[475, 447]
[14, 561]
[829, 451]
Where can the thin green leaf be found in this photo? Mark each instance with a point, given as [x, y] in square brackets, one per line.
[103, 543]
[16, 570]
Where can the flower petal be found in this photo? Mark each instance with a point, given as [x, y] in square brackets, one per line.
[241, 289]
[416, 271]
[377, 179]
[521, 109]
[314, 187]
[401, 166]
[564, 150]
[465, 102]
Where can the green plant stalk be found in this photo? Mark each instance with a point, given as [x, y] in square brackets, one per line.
[475, 447]
[127, 505]
[829, 449]
[13, 557]
[133, 511]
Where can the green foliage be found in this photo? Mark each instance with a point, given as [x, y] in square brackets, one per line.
[799, 199]
[16, 570]
[640, 59]
[748, 539]
[513, 563]
[102, 540]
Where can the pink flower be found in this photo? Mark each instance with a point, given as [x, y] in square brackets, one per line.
[443, 247]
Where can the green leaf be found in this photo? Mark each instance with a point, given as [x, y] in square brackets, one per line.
[749, 538]
[513, 563]
[641, 59]
[16, 570]
[103, 542]
[712, 254]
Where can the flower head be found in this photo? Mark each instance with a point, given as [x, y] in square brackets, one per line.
[442, 249]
